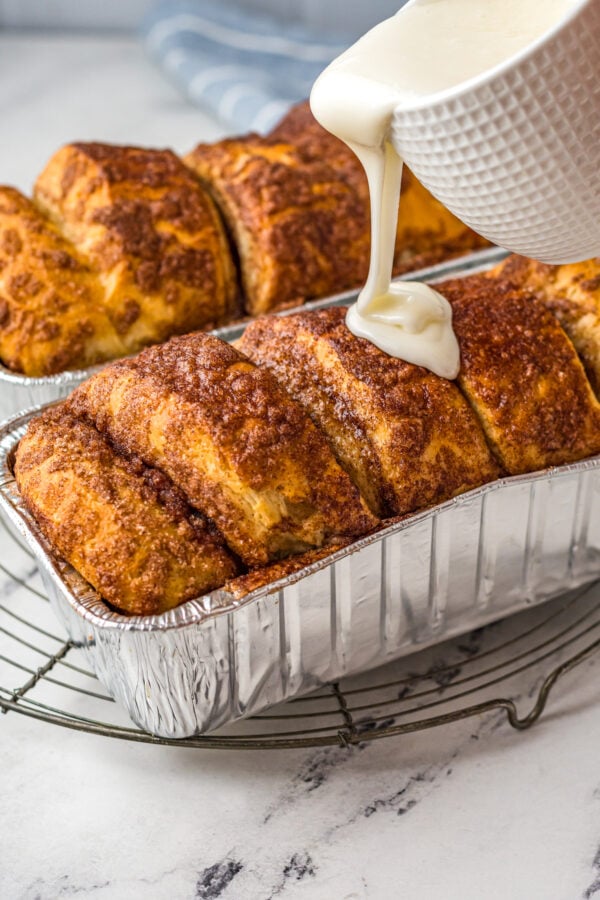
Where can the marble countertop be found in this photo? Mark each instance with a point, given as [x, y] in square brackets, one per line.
[475, 811]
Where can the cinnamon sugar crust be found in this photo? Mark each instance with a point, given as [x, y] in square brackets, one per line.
[522, 376]
[233, 440]
[149, 230]
[572, 293]
[407, 438]
[51, 315]
[300, 229]
[126, 528]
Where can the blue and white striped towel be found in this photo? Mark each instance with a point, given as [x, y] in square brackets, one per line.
[238, 64]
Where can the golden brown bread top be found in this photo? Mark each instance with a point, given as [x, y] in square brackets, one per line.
[522, 376]
[572, 293]
[150, 230]
[297, 205]
[230, 437]
[123, 526]
[51, 315]
[406, 437]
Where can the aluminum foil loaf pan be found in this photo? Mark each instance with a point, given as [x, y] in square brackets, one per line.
[481, 556]
[21, 392]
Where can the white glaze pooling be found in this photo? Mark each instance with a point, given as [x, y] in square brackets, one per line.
[411, 321]
[428, 47]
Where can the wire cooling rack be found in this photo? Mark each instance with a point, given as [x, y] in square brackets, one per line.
[44, 676]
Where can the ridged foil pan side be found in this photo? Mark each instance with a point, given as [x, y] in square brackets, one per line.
[20, 392]
[479, 557]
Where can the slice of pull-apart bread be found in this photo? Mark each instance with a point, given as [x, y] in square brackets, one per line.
[522, 376]
[152, 233]
[124, 527]
[51, 308]
[300, 227]
[233, 440]
[407, 438]
[572, 292]
[297, 205]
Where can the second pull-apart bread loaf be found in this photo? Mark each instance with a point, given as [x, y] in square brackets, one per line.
[301, 447]
[123, 247]
[243, 451]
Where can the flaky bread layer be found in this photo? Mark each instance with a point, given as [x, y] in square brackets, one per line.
[151, 232]
[124, 527]
[123, 247]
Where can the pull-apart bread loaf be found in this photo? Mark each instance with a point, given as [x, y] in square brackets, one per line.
[572, 292]
[297, 205]
[167, 474]
[124, 527]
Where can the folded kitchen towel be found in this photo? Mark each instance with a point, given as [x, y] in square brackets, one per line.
[244, 67]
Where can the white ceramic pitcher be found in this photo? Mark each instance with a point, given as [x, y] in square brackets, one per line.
[515, 152]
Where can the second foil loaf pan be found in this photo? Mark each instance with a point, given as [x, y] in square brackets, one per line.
[213, 660]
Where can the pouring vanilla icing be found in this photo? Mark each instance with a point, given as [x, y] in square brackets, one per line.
[427, 47]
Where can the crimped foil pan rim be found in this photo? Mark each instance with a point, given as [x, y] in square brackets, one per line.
[467, 264]
[87, 603]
